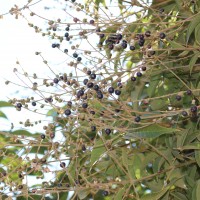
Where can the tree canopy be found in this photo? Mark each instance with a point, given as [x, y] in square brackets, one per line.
[125, 113]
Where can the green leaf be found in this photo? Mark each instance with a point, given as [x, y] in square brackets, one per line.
[197, 156]
[82, 194]
[152, 131]
[5, 104]
[22, 132]
[194, 22]
[197, 34]
[98, 150]
[119, 195]
[193, 61]
[3, 115]
[176, 45]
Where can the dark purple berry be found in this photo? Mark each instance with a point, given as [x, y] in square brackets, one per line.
[91, 21]
[90, 85]
[92, 112]
[143, 68]
[84, 105]
[79, 59]
[42, 136]
[85, 81]
[54, 45]
[83, 148]
[75, 55]
[66, 34]
[147, 33]
[119, 85]
[100, 95]
[139, 74]
[178, 97]
[188, 92]
[108, 131]
[101, 35]
[161, 10]
[67, 28]
[56, 80]
[33, 103]
[111, 90]
[119, 36]
[133, 78]
[137, 119]
[132, 48]
[66, 51]
[67, 112]
[93, 76]
[89, 72]
[184, 113]
[193, 109]
[117, 92]
[19, 105]
[93, 128]
[96, 87]
[59, 185]
[124, 45]
[69, 103]
[105, 193]
[111, 46]
[141, 43]
[141, 37]
[62, 164]
[162, 35]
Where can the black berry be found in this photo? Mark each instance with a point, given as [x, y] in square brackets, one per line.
[75, 55]
[132, 48]
[133, 78]
[33, 103]
[93, 128]
[62, 164]
[55, 80]
[93, 76]
[184, 113]
[67, 112]
[85, 81]
[139, 74]
[108, 131]
[96, 87]
[42, 136]
[19, 105]
[90, 85]
[147, 33]
[84, 105]
[100, 95]
[105, 193]
[188, 92]
[111, 90]
[162, 35]
[117, 92]
[137, 119]
[193, 109]
[178, 97]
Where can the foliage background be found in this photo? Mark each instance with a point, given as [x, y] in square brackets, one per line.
[156, 157]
